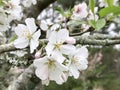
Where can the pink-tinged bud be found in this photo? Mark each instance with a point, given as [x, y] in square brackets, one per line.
[37, 54]
[70, 40]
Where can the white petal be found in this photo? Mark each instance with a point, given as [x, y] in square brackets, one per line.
[55, 27]
[58, 56]
[19, 29]
[67, 49]
[43, 25]
[55, 74]
[21, 43]
[36, 35]
[61, 66]
[49, 48]
[82, 52]
[42, 73]
[62, 35]
[81, 66]
[30, 22]
[39, 62]
[33, 45]
[53, 37]
[74, 71]
[84, 5]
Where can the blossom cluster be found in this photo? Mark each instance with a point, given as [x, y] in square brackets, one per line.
[62, 57]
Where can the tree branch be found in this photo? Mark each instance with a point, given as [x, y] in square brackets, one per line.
[7, 47]
[96, 39]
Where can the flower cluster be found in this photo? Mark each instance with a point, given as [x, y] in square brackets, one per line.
[62, 59]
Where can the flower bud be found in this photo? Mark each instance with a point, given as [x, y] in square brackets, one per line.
[37, 54]
[70, 40]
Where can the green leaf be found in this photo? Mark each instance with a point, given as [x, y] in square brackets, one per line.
[100, 24]
[13, 38]
[92, 5]
[108, 10]
[110, 2]
[60, 10]
[97, 24]
[92, 23]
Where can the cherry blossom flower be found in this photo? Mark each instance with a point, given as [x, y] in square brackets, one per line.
[56, 44]
[80, 11]
[27, 35]
[78, 61]
[47, 68]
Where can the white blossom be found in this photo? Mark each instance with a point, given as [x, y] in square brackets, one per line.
[47, 68]
[27, 35]
[78, 61]
[80, 11]
[56, 44]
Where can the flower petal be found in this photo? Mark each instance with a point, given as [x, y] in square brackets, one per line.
[19, 29]
[62, 35]
[21, 43]
[74, 71]
[82, 52]
[67, 49]
[42, 73]
[33, 45]
[36, 35]
[43, 26]
[53, 37]
[30, 22]
[58, 56]
[49, 48]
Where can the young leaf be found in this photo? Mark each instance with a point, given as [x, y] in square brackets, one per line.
[108, 10]
[92, 5]
[97, 24]
[60, 10]
[100, 24]
[110, 2]
[92, 23]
